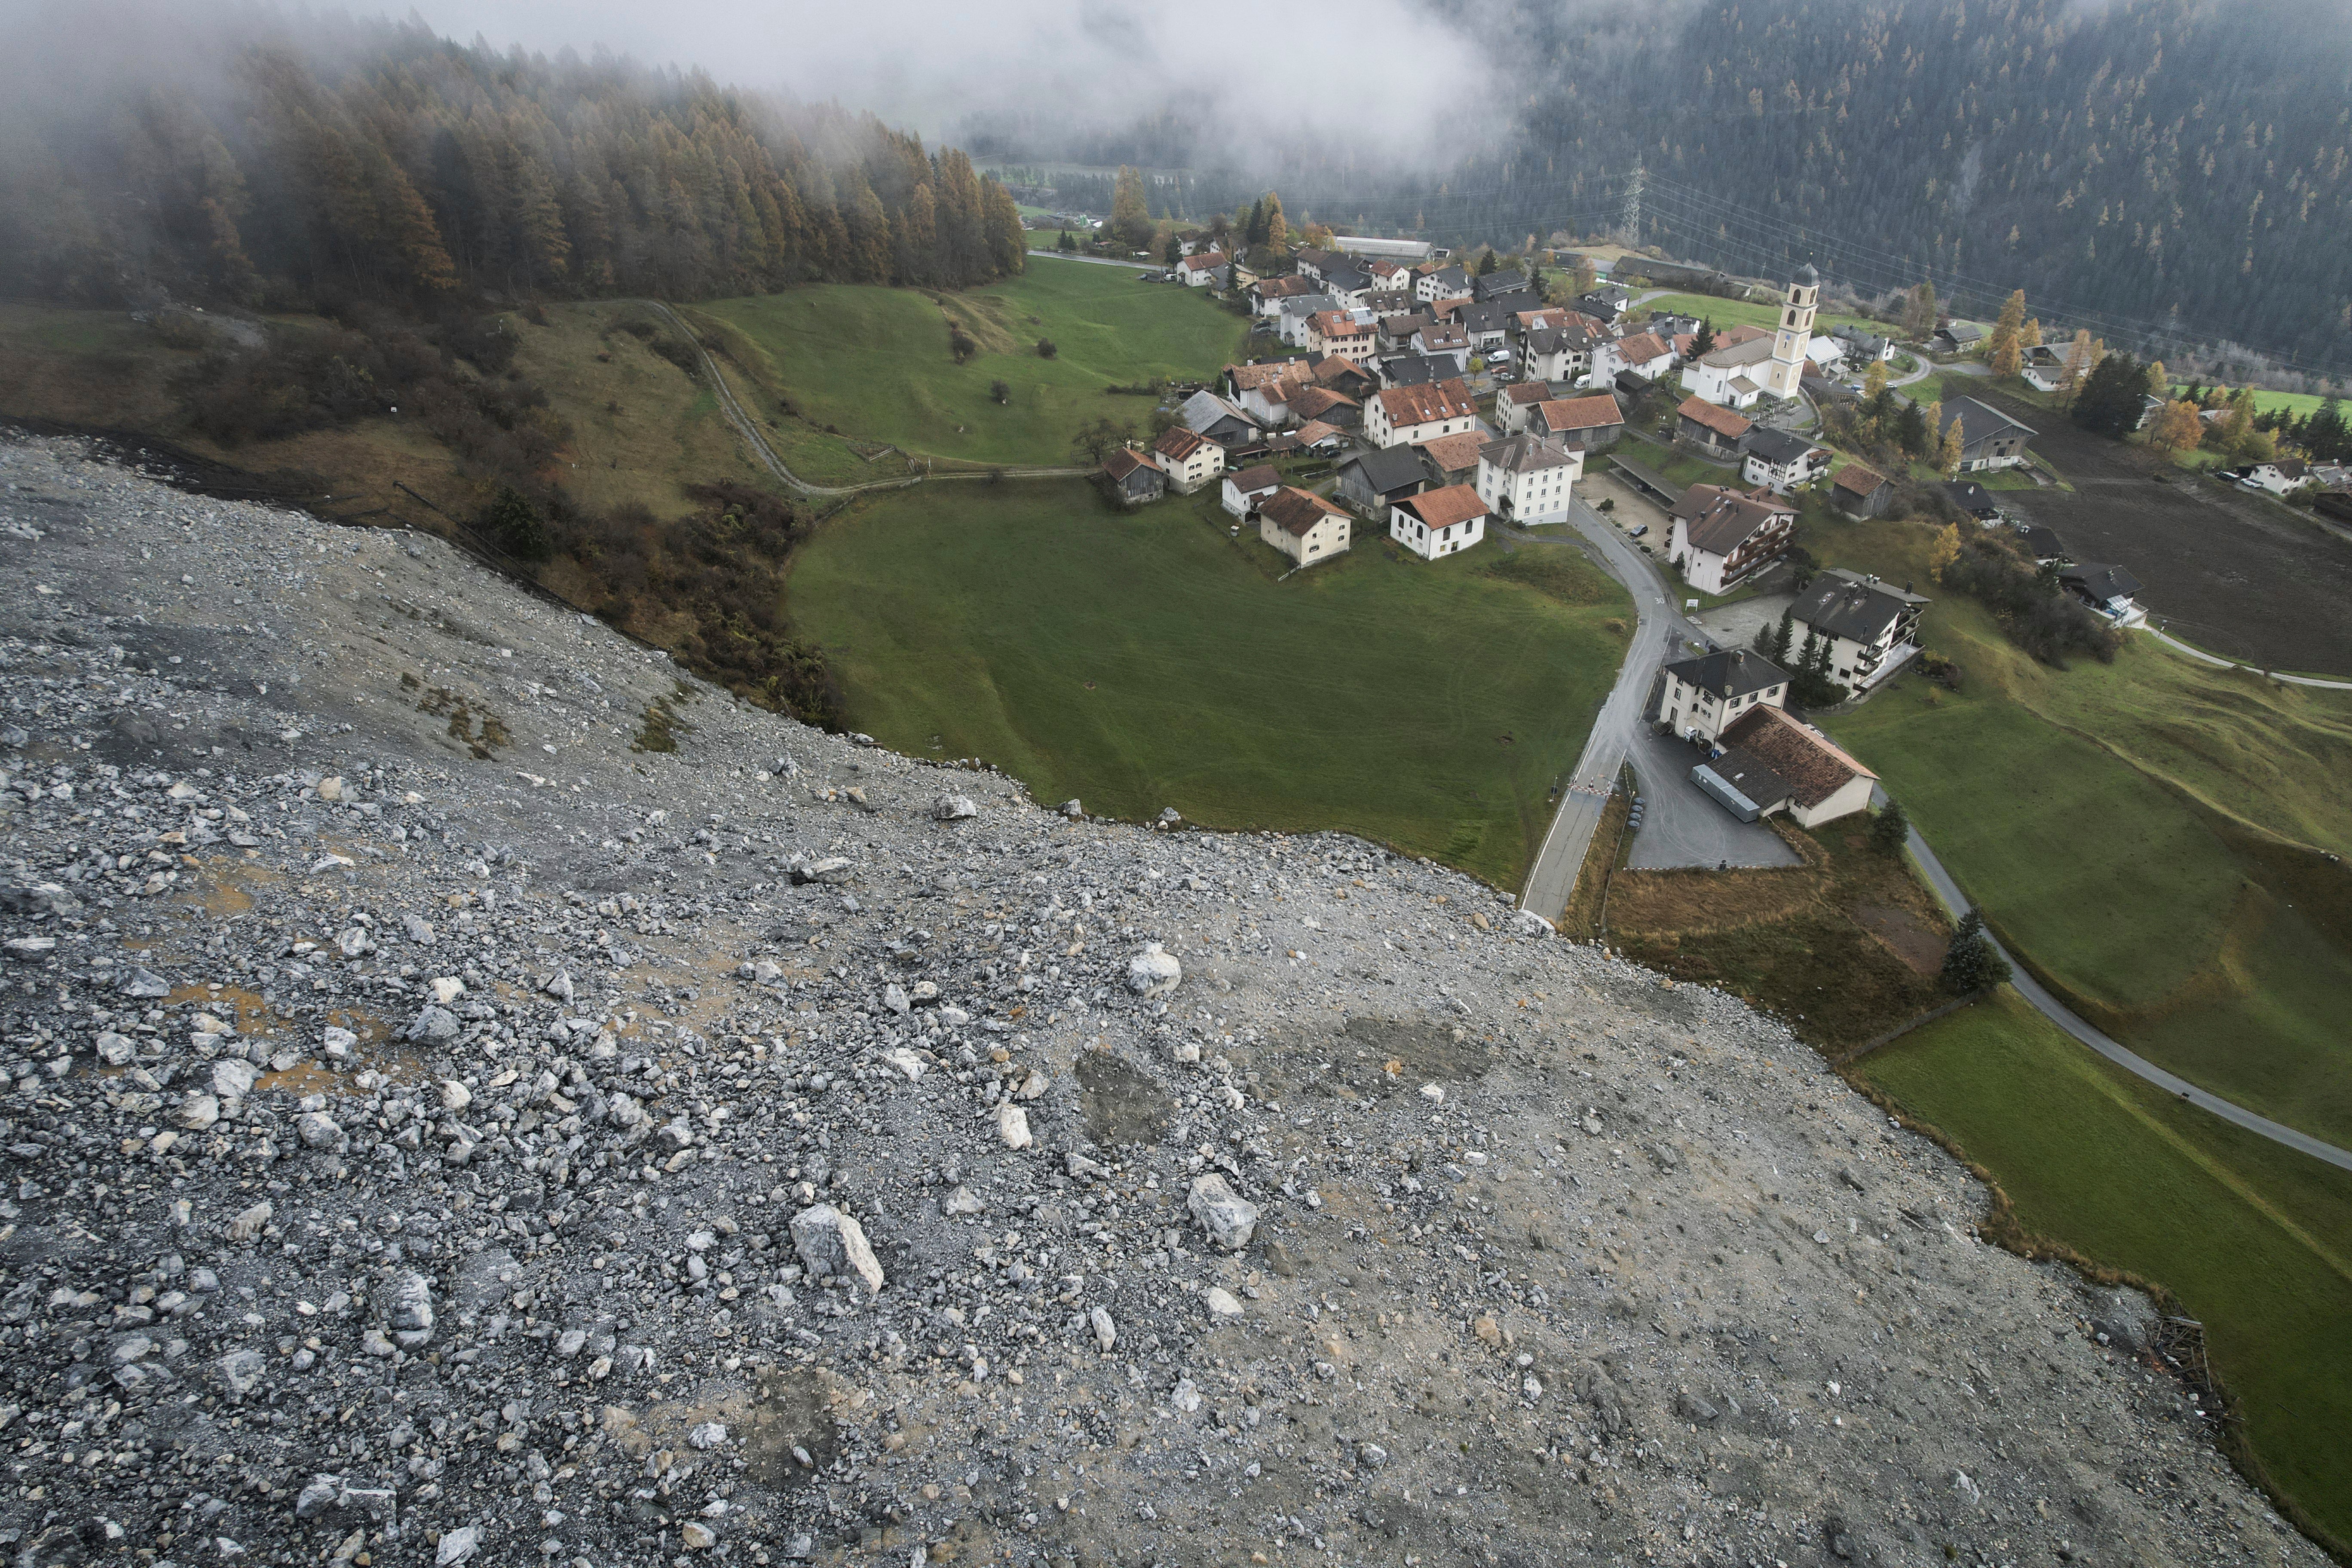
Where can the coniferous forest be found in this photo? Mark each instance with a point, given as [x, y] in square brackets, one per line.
[398, 164]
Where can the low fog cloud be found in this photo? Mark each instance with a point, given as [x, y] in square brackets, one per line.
[1390, 83]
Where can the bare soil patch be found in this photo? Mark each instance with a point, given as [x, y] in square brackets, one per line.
[2230, 570]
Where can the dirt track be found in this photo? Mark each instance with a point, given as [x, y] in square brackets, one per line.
[2230, 570]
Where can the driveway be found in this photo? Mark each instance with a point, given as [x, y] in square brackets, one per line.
[1683, 825]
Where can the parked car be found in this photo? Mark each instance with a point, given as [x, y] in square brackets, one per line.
[1638, 529]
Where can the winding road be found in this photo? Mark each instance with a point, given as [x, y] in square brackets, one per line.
[2057, 1012]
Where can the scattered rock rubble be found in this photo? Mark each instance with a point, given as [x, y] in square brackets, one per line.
[438, 1131]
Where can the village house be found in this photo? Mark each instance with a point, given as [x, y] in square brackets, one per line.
[1297, 310]
[1780, 462]
[1869, 625]
[2044, 366]
[1389, 276]
[1439, 523]
[1346, 334]
[1264, 392]
[1190, 460]
[1719, 536]
[1562, 354]
[1989, 438]
[1863, 347]
[1973, 499]
[1769, 763]
[1646, 355]
[1202, 271]
[2280, 476]
[2111, 591]
[1501, 282]
[1417, 370]
[1516, 402]
[1711, 428]
[2044, 545]
[1346, 281]
[1452, 459]
[1605, 303]
[1588, 423]
[1858, 491]
[1402, 414]
[1303, 526]
[1441, 283]
[1484, 326]
[1346, 377]
[1134, 477]
[1959, 337]
[1267, 294]
[1705, 694]
[1314, 403]
[1398, 328]
[1247, 487]
[1315, 435]
[1525, 480]
[1206, 414]
[1434, 340]
[1374, 482]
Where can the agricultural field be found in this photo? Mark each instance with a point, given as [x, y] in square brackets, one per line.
[2300, 404]
[1428, 706]
[1744, 313]
[2250, 1237]
[2149, 835]
[873, 364]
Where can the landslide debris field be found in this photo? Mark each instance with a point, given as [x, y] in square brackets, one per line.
[441, 1131]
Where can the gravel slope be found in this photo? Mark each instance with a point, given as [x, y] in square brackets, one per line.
[440, 1133]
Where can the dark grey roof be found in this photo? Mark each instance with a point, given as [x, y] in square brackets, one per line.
[1346, 280]
[1853, 608]
[1729, 673]
[1777, 446]
[1868, 342]
[1604, 302]
[2099, 583]
[1978, 422]
[1807, 278]
[1502, 281]
[1418, 369]
[1960, 332]
[2043, 543]
[1970, 497]
[1388, 468]
[1490, 316]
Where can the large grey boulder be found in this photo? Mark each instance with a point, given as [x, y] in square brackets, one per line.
[1229, 1218]
[831, 1243]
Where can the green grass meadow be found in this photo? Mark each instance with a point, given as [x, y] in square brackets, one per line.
[2151, 835]
[874, 361]
[2251, 1237]
[1151, 659]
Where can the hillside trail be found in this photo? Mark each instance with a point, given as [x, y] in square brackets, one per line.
[749, 431]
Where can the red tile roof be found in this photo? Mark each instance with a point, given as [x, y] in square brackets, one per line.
[1249, 481]
[1715, 416]
[1580, 413]
[1249, 375]
[1444, 508]
[1813, 767]
[1450, 453]
[1448, 399]
[1179, 443]
[1858, 481]
[1641, 348]
[1296, 512]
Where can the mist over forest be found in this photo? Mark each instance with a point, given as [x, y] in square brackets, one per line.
[2166, 173]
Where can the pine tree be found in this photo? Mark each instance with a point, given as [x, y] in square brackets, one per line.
[1890, 830]
[1782, 635]
[1703, 343]
[1254, 230]
[1971, 963]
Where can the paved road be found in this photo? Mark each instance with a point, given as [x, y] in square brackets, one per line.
[2065, 1018]
[1660, 634]
[2218, 662]
[1103, 261]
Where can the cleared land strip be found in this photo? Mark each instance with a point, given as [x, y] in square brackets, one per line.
[2065, 1018]
[776, 465]
[2216, 661]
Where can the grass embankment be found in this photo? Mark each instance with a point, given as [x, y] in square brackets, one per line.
[1846, 946]
[874, 363]
[2251, 1237]
[2151, 835]
[1151, 659]
[2300, 404]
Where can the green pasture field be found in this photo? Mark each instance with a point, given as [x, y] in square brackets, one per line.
[1144, 661]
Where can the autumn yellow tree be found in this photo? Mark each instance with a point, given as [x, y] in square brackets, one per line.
[2177, 429]
[2079, 362]
[1945, 550]
[2008, 354]
[1948, 455]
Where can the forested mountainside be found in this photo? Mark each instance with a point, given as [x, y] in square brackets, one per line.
[397, 162]
[2137, 166]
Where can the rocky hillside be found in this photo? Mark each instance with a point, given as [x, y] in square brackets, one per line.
[448, 1125]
